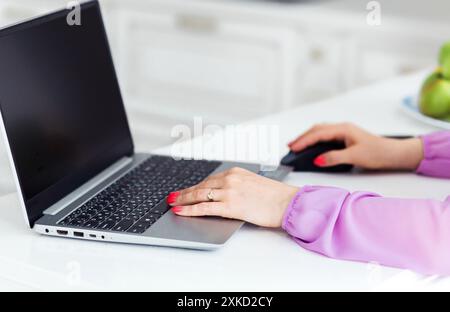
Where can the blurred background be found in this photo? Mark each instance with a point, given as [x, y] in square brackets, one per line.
[234, 60]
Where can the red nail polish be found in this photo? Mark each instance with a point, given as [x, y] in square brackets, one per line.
[177, 209]
[172, 197]
[320, 161]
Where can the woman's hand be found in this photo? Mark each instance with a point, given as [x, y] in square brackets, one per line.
[236, 194]
[364, 149]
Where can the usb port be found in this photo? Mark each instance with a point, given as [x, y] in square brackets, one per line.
[78, 234]
[92, 236]
[61, 232]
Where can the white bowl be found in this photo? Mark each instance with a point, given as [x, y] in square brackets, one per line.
[411, 107]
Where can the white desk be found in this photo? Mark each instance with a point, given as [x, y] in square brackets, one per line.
[255, 258]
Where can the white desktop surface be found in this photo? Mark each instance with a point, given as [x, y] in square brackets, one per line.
[255, 259]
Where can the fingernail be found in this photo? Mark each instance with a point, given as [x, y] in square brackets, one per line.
[320, 161]
[177, 209]
[172, 197]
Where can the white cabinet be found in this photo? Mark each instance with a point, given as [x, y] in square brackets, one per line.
[176, 66]
[188, 65]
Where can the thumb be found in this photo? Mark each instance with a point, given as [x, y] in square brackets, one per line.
[333, 158]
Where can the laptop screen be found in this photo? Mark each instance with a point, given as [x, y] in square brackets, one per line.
[61, 105]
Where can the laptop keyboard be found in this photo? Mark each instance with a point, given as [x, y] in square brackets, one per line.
[131, 203]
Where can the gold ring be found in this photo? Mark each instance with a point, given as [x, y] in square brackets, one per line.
[210, 195]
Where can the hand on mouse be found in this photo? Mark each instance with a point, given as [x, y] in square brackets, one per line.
[236, 194]
[363, 149]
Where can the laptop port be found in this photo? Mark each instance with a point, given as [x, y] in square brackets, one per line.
[92, 236]
[78, 234]
[61, 232]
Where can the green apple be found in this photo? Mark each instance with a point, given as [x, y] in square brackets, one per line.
[445, 53]
[435, 96]
[436, 75]
[446, 68]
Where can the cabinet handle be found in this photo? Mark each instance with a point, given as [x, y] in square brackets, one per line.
[407, 69]
[196, 23]
[317, 54]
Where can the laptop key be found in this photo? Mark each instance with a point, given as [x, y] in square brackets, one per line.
[135, 217]
[91, 224]
[138, 228]
[65, 221]
[123, 225]
[107, 225]
[76, 222]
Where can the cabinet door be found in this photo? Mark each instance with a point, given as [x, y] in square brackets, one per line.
[379, 55]
[189, 65]
[321, 69]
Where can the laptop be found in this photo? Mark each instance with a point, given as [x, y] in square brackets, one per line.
[71, 148]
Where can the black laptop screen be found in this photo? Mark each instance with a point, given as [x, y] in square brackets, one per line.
[61, 105]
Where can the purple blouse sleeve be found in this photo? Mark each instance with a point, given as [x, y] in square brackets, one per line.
[436, 161]
[406, 233]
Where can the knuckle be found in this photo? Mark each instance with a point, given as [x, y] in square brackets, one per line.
[203, 208]
[330, 158]
[231, 179]
[349, 158]
[196, 209]
[206, 206]
[319, 126]
[197, 194]
[187, 211]
[347, 125]
[235, 170]
[181, 196]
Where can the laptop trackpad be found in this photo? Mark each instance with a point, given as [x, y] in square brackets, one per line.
[211, 230]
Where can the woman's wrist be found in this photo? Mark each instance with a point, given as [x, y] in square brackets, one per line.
[285, 201]
[408, 153]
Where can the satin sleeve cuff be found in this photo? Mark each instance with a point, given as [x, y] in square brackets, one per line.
[310, 210]
[436, 162]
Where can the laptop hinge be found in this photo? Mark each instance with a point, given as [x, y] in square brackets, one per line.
[94, 182]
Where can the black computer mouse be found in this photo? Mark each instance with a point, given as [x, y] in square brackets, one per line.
[304, 160]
